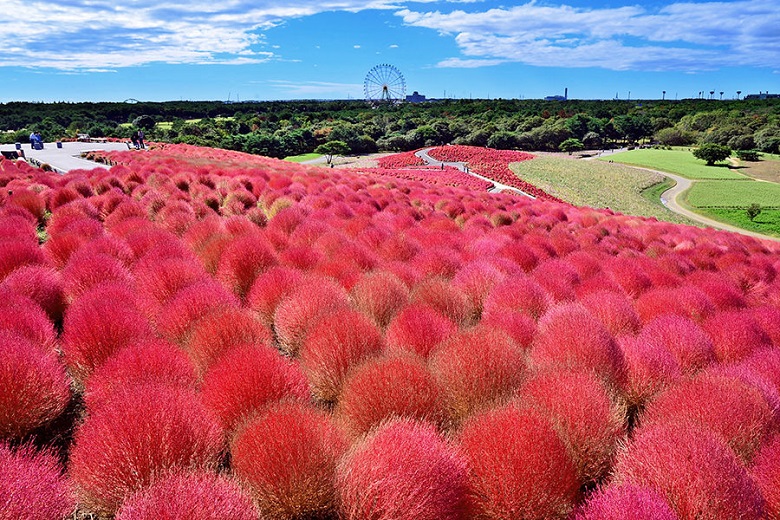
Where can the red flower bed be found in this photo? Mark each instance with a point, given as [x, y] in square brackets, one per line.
[197, 323]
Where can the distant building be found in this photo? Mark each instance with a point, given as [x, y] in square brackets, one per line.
[564, 97]
[762, 95]
[415, 97]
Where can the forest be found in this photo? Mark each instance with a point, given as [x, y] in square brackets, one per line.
[285, 128]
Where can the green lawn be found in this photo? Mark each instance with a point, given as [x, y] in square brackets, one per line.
[599, 185]
[680, 162]
[767, 222]
[302, 158]
[733, 194]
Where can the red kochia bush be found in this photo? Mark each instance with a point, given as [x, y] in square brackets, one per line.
[518, 466]
[16, 254]
[418, 329]
[699, 476]
[85, 270]
[176, 317]
[627, 501]
[334, 344]
[650, 369]
[138, 437]
[444, 298]
[20, 315]
[287, 459]
[246, 380]
[32, 486]
[101, 322]
[380, 295]
[570, 337]
[585, 415]
[242, 261]
[687, 342]
[475, 368]
[159, 279]
[766, 473]
[194, 496]
[402, 470]
[685, 301]
[145, 362]
[42, 285]
[221, 329]
[303, 307]
[34, 389]
[517, 293]
[386, 387]
[731, 408]
[614, 310]
[735, 335]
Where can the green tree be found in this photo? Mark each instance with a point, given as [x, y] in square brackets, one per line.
[146, 122]
[712, 153]
[753, 211]
[571, 145]
[332, 148]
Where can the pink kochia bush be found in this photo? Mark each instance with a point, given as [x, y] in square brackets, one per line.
[627, 501]
[32, 486]
[386, 387]
[335, 344]
[698, 475]
[34, 389]
[380, 295]
[246, 380]
[138, 437]
[404, 469]
[766, 473]
[194, 496]
[41, 284]
[418, 329]
[518, 466]
[287, 459]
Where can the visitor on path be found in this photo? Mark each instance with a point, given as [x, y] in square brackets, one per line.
[134, 139]
[141, 138]
[36, 141]
[33, 140]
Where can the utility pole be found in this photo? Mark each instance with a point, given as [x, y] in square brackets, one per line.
[663, 97]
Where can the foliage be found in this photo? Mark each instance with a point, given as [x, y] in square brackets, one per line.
[332, 148]
[753, 211]
[748, 155]
[571, 145]
[712, 153]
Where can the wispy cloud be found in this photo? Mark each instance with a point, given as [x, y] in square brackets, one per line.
[681, 36]
[316, 89]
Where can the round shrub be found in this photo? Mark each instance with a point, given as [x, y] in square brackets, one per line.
[146, 362]
[20, 315]
[475, 368]
[335, 344]
[650, 369]
[287, 459]
[699, 476]
[403, 469]
[32, 485]
[687, 301]
[41, 284]
[221, 329]
[519, 326]
[727, 406]
[380, 296]
[614, 310]
[627, 501]
[139, 436]
[176, 317]
[34, 389]
[242, 261]
[585, 415]
[270, 288]
[445, 299]
[16, 254]
[687, 342]
[417, 329]
[735, 335]
[386, 387]
[570, 337]
[303, 307]
[192, 496]
[476, 280]
[85, 270]
[518, 466]
[246, 380]
[159, 279]
[517, 293]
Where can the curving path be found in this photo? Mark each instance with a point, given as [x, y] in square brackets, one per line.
[497, 186]
[67, 158]
[669, 199]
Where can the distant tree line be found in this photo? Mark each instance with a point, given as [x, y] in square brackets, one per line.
[282, 128]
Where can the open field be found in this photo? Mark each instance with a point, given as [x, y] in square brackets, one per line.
[767, 222]
[599, 185]
[733, 194]
[303, 157]
[681, 162]
[767, 169]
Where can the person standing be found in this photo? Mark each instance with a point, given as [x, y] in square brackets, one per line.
[134, 139]
[141, 138]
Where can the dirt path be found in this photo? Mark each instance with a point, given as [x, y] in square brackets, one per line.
[669, 199]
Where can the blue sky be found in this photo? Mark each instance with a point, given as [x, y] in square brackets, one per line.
[95, 50]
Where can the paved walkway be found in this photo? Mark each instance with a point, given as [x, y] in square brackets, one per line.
[497, 186]
[67, 158]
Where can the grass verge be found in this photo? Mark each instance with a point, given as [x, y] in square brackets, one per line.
[767, 222]
[303, 157]
[681, 162]
[733, 194]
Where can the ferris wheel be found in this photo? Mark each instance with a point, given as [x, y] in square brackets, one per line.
[384, 83]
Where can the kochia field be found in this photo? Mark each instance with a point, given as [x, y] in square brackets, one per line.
[202, 334]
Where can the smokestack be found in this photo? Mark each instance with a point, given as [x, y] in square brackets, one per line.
[566, 93]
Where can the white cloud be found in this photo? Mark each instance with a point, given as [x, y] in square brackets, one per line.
[316, 89]
[356, 46]
[681, 36]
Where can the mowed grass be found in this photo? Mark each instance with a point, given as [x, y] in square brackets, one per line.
[767, 222]
[680, 162]
[303, 157]
[599, 185]
[733, 194]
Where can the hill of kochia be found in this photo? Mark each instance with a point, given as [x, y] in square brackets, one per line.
[195, 333]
